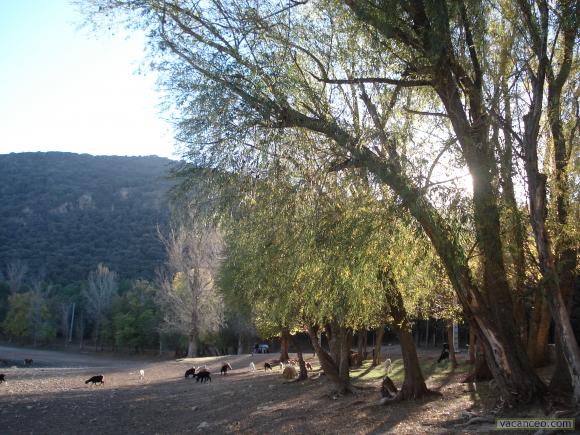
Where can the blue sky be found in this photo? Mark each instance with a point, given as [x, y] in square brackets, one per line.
[64, 89]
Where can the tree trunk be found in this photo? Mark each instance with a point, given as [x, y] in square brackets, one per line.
[379, 333]
[360, 342]
[284, 341]
[332, 333]
[240, 349]
[566, 248]
[481, 370]
[97, 330]
[471, 359]
[427, 333]
[489, 308]
[345, 337]
[539, 331]
[365, 345]
[414, 384]
[303, 374]
[81, 329]
[537, 181]
[450, 340]
[561, 381]
[515, 227]
[192, 345]
[328, 365]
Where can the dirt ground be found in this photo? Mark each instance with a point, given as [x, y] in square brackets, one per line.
[50, 397]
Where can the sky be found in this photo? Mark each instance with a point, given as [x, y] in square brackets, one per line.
[65, 89]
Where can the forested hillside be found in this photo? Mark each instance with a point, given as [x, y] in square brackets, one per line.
[61, 213]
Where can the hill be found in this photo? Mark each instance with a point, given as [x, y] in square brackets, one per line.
[63, 213]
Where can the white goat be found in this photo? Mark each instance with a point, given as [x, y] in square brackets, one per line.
[141, 374]
[388, 363]
[252, 367]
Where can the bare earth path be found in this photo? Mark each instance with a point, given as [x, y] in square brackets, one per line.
[51, 398]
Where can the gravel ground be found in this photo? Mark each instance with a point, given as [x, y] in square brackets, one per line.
[50, 397]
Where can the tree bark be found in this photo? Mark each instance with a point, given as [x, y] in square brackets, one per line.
[328, 365]
[332, 333]
[284, 341]
[379, 333]
[539, 331]
[303, 373]
[192, 345]
[490, 306]
[414, 384]
[471, 359]
[481, 370]
[537, 180]
[360, 342]
[452, 357]
[240, 349]
[365, 345]
[345, 337]
[566, 249]
[515, 225]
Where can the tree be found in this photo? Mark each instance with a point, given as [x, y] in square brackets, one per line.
[136, 318]
[187, 294]
[98, 295]
[249, 83]
[15, 272]
[17, 322]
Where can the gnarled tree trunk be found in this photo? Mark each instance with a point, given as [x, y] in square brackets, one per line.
[539, 331]
[329, 366]
[414, 383]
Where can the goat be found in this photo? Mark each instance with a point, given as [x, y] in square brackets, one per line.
[96, 380]
[388, 363]
[267, 366]
[141, 374]
[308, 366]
[28, 361]
[252, 367]
[2, 378]
[444, 353]
[225, 368]
[204, 376]
[190, 372]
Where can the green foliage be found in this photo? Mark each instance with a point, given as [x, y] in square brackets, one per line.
[17, 322]
[136, 318]
[67, 212]
[302, 258]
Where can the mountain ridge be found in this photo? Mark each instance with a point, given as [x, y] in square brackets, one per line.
[63, 213]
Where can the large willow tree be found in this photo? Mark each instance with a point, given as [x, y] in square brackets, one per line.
[405, 90]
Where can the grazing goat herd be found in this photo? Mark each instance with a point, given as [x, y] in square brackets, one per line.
[200, 373]
[203, 374]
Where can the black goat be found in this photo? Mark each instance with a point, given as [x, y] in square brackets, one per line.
[28, 361]
[203, 376]
[2, 378]
[190, 372]
[444, 353]
[96, 380]
[267, 366]
[225, 368]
